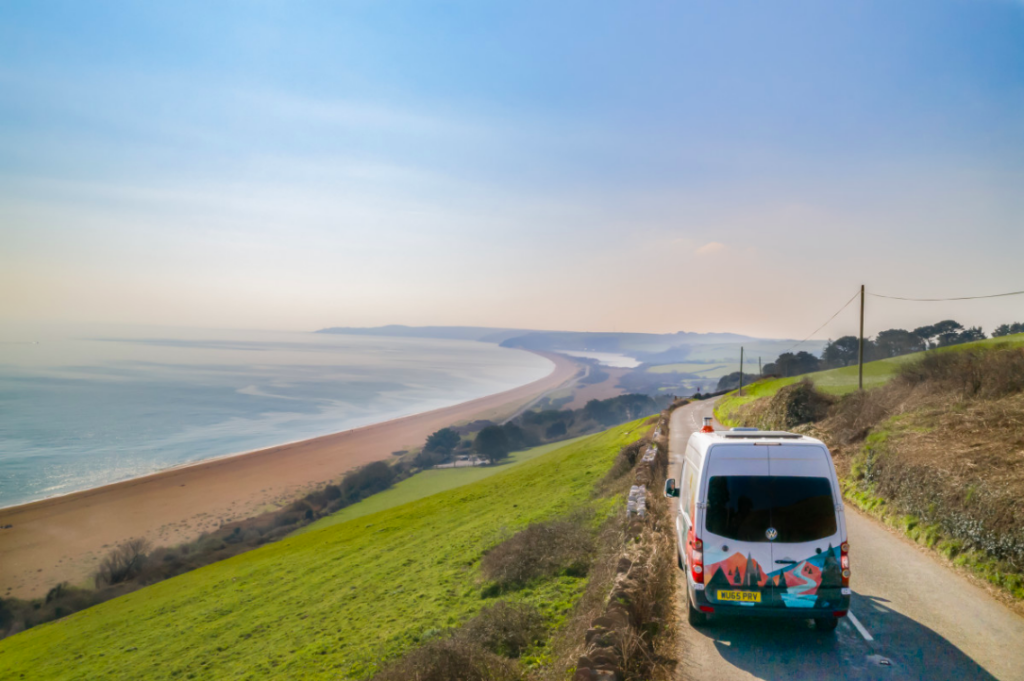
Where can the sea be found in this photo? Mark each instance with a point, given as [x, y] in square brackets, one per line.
[85, 406]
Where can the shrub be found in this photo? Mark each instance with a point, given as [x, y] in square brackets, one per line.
[452, 658]
[626, 459]
[795, 405]
[555, 430]
[541, 550]
[506, 628]
[124, 562]
[369, 479]
[492, 443]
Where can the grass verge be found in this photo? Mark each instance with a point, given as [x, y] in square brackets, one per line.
[932, 536]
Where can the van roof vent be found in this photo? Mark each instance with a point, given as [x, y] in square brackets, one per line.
[760, 435]
[744, 430]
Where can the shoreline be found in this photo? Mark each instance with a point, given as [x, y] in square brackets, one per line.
[63, 538]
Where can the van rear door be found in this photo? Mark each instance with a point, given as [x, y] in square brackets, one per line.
[736, 517]
[806, 550]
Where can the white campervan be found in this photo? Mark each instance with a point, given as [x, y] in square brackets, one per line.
[760, 528]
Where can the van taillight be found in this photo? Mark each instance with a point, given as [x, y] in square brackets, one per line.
[844, 562]
[697, 560]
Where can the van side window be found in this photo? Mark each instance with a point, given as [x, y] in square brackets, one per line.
[689, 491]
[684, 489]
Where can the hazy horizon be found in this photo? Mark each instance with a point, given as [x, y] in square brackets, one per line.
[585, 166]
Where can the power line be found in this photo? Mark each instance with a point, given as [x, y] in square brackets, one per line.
[855, 295]
[942, 300]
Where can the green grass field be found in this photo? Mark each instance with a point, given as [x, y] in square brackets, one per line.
[844, 380]
[329, 603]
[429, 482]
[707, 370]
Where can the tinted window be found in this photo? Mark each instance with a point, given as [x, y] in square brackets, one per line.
[739, 507]
[802, 509]
[743, 507]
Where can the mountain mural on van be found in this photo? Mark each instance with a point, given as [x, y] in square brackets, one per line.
[812, 583]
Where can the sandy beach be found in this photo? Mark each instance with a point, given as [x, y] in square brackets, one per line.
[64, 538]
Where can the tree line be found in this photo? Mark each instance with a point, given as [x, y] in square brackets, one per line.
[494, 442]
[889, 343]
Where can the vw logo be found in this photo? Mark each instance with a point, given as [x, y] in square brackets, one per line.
[771, 533]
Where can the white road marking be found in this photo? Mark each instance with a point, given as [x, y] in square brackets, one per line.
[860, 627]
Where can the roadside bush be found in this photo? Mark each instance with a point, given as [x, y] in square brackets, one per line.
[626, 459]
[453, 658]
[795, 405]
[541, 550]
[506, 628]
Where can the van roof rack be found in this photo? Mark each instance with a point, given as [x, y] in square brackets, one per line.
[759, 435]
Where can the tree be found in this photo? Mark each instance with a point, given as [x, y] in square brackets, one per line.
[843, 352]
[971, 334]
[802, 362]
[1008, 329]
[439, 447]
[729, 382]
[896, 342]
[443, 441]
[598, 410]
[492, 443]
[937, 335]
[516, 436]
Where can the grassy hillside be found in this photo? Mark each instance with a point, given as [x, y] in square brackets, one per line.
[331, 602]
[429, 482]
[843, 380]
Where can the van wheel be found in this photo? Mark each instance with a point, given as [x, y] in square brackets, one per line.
[695, 617]
[826, 623]
[679, 559]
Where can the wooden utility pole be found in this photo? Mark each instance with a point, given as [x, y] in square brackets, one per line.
[860, 349]
[741, 370]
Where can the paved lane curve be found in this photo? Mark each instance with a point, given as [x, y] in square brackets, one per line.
[912, 618]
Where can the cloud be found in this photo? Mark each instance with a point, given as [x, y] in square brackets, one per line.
[710, 248]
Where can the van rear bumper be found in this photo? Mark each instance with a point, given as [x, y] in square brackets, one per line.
[699, 599]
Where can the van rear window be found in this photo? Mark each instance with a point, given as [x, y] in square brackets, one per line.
[743, 507]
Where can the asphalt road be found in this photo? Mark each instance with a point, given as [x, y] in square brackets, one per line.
[912, 617]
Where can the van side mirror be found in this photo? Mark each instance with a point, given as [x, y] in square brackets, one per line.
[670, 488]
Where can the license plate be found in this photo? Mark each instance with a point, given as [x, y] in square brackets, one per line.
[740, 596]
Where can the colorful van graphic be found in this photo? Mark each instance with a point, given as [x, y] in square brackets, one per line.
[760, 528]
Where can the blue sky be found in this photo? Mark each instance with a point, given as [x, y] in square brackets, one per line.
[547, 165]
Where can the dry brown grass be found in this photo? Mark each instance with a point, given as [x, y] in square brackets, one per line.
[944, 444]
